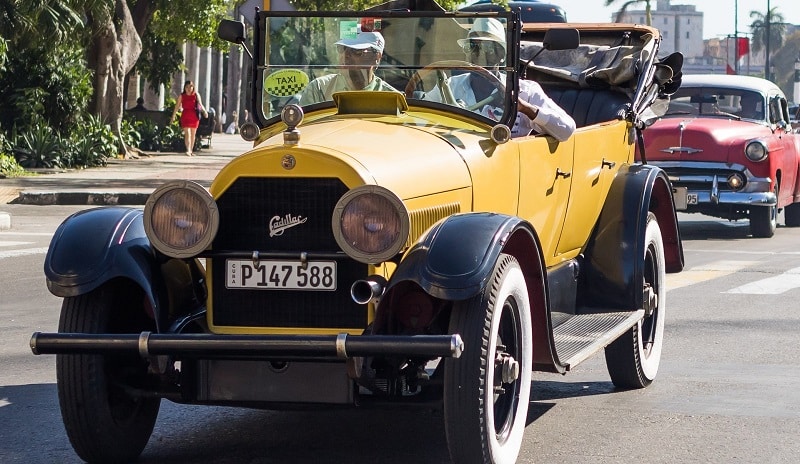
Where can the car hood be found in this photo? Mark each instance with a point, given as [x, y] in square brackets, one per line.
[412, 158]
[695, 139]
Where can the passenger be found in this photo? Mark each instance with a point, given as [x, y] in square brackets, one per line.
[752, 106]
[360, 56]
[485, 46]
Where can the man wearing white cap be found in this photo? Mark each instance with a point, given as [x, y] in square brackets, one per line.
[359, 56]
[485, 46]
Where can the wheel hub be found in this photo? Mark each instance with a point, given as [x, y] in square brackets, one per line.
[506, 366]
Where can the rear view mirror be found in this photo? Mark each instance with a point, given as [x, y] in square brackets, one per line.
[561, 39]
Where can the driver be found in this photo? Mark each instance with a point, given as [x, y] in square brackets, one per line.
[751, 104]
[485, 46]
[359, 55]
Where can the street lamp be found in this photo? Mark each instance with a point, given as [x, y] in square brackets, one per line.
[797, 79]
[769, 33]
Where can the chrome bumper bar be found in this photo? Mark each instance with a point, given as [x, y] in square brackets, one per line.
[275, 347]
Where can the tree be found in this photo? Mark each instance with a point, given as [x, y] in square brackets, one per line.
[777, 29]
[624, 8]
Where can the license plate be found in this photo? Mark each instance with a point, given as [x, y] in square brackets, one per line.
[682, 197]
[280, 275]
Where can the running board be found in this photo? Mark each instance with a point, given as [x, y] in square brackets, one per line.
[585, 334]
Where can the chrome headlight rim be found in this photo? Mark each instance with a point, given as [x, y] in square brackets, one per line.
[399, 209]
[193, 188]
[756, 151]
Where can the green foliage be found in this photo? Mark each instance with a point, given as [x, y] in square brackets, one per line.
[9, 167]
[153, 137]
[91, 146]
[44, 85]
[38, 147]
[159, 60]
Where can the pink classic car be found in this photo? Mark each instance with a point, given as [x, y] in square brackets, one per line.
[729, 149]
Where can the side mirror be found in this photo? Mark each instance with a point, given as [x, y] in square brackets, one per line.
[231, 31]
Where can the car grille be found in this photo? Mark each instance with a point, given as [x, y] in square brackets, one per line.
[246, 210]
[698, 178]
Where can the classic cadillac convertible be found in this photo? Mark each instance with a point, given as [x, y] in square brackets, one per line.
[382, 247]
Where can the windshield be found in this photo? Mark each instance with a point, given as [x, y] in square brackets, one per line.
[308, 57]
[722, 102]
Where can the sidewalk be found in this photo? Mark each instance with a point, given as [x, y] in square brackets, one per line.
[122, 182]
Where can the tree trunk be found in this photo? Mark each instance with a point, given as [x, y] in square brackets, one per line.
[113, 53]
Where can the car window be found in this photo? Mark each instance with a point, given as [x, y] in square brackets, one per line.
[717, 102]
[305, 62]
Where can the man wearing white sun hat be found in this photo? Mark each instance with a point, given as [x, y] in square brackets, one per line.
[485, 46]
[359, 56]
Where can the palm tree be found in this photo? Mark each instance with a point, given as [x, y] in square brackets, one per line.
[777, 28]
[624, 8]
[768, 31]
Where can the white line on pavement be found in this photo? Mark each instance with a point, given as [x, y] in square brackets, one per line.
[24, 252]
[789, 280]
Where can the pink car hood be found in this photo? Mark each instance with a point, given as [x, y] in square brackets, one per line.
[700, 139]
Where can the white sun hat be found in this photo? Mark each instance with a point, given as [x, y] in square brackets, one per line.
[364, 40]
[488, 29]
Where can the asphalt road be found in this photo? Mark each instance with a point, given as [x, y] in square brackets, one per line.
[727, 390]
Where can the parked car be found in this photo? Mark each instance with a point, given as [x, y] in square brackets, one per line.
[728, 146]
[378, 248]
[530, 11]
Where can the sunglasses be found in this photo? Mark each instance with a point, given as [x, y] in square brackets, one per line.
[474, 46]
[368, 52]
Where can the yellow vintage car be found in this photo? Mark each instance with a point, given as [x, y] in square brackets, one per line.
[391, 246]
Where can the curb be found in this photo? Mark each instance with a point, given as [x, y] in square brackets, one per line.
[81, 198]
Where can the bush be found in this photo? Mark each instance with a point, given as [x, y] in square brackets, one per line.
[39, 147]
[91, 146]
[9, 167]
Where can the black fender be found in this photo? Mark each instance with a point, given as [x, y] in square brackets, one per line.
[613, 276]
[95, 246]
[455, 258]
[454, 261]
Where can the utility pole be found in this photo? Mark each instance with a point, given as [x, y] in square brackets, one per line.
[736, 37]
[769, 33]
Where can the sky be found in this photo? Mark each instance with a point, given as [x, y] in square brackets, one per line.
[718, 15]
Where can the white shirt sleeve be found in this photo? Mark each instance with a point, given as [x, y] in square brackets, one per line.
[552, 119]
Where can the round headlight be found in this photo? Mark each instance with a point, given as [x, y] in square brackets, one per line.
[181, 219]
[756, 151]
[370, 224]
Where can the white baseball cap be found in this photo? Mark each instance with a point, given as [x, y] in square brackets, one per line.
[488, 29]
[364, 40]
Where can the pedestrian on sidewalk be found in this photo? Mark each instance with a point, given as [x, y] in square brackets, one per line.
[191, 108]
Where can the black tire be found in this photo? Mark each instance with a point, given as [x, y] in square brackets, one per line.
[633, 359]
[791, 215]
[103, 422]
[482, 425]
[764, 220]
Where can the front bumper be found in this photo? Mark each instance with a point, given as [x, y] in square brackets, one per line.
[706, 184]
[267, 347]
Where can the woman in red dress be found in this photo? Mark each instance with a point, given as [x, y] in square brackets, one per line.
[189, 103]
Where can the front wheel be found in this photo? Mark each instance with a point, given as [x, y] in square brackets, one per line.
[791, 215]
[764, 220]
[104, 422]
[487, 389]
[633, 359]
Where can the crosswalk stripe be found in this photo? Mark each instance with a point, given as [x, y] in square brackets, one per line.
[8, 243]
[710, 271]
[789, 280]
[23, 252]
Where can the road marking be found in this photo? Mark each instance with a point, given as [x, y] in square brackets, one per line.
[710, 271]
[789, 280]
[8, 243]
[24, 252]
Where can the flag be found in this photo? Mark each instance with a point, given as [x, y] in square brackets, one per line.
[743, 47]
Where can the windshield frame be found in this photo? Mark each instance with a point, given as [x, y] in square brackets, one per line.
[262, 68]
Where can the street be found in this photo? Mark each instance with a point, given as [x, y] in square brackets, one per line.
[727, 389]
